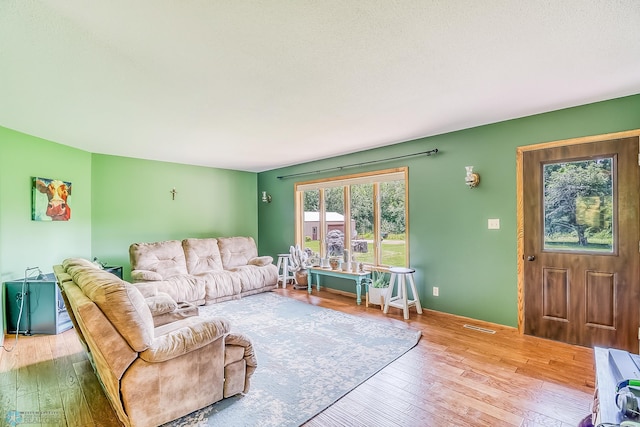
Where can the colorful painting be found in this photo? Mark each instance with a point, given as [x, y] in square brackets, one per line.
[50, 200]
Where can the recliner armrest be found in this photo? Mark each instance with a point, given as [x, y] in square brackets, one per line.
[161, 303]
[251, 361]
[194, 333]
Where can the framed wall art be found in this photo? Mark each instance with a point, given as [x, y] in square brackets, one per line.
[50, 200]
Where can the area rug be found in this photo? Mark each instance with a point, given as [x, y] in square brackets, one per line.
[308, 357]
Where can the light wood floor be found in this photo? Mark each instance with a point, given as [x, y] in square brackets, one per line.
[453, 377]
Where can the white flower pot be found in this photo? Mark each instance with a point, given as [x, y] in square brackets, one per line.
[376, 295]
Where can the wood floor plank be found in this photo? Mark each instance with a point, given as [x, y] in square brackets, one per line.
[488, 378]
[101, 412]
[51, 409]
[454, 376]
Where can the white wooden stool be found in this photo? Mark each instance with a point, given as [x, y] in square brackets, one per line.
[401, 300]
[284, 275]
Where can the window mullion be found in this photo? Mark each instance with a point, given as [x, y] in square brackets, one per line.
[322, 223]
[347, 220]
[377, 236]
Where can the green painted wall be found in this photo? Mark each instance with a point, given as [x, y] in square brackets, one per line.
[26, 243]
[132, 203]
[118, 201]
[115, 201]
[450, 245]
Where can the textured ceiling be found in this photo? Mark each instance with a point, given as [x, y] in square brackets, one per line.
[255, 85]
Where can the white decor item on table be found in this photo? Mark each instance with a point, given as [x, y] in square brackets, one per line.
[299, 260]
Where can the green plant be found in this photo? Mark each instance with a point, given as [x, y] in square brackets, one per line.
[379, 279]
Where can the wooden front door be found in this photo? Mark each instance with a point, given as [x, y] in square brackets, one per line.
[581, 243]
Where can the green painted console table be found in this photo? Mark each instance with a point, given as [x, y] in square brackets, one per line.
[316, 272]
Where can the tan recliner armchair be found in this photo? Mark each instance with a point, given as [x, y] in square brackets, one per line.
[151, 375]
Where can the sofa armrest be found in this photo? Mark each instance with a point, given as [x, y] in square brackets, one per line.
[261, 261]
[182, 311]
[196, 332]
[161, 303]
[145, 276]
[241, 340]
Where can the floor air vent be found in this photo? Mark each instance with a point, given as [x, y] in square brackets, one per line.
[479, 329]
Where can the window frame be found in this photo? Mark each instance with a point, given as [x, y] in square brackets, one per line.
[372, 177]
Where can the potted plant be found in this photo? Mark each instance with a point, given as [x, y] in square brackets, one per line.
[299, 262]
[377, 287]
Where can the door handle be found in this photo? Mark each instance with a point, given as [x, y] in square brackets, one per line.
[531, 258]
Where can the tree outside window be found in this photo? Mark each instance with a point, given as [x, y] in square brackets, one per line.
[578, 205]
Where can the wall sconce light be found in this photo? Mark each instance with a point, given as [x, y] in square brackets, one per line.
[266, 198]
[472, 179]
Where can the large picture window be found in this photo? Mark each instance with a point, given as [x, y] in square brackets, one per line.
[364, 215]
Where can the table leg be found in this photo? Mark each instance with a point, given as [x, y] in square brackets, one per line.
[366, 293]
[387, 300]
[358, 290]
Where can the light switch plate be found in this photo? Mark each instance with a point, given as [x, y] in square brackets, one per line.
[494, 224]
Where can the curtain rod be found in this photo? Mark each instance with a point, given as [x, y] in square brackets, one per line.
[423, 153]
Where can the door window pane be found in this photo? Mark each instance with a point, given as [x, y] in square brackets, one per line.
[578, 206]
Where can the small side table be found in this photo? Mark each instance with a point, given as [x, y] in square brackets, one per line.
[401, 300]
[358, 277]
[284, 275]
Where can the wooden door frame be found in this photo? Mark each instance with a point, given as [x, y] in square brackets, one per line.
[520, 202]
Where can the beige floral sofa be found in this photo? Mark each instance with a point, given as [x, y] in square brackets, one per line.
[203, 271]
[151, 375]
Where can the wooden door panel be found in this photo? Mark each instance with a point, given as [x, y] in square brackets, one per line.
[555, 294]
[586, 297]
[600, 299]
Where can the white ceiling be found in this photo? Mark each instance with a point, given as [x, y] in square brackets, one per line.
[256, 85]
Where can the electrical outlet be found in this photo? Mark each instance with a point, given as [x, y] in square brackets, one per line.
[494, 224]
[436, 291]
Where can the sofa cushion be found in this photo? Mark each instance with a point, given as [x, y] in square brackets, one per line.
[166, 258]
[253, 277]
[181, 288]
[121, 303]
[236, 251]
[202, 255]
[221, 285]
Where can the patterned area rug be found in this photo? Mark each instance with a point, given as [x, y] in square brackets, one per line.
[308, 357]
